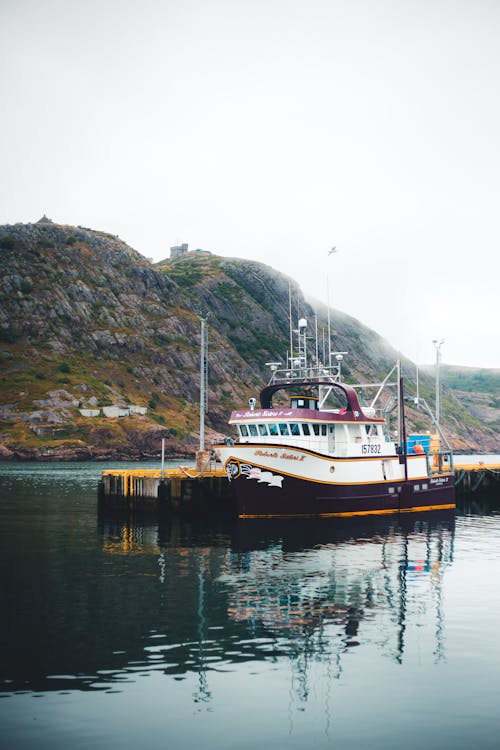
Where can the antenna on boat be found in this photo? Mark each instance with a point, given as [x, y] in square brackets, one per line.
[329, 326]
[303, 342]
[316, 332]
[290, 319]
[330, 252]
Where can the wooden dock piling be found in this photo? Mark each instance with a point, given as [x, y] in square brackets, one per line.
[179, 490]
[476, 477]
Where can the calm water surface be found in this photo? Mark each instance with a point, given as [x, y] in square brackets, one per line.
[332, 634]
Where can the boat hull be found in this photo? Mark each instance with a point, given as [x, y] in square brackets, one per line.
[267, 488]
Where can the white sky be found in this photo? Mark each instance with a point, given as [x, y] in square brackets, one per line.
[273, 130]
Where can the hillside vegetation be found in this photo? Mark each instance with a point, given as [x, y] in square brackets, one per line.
[87, 322]
[477, 389]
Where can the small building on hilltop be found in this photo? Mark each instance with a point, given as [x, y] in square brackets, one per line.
[177, 250]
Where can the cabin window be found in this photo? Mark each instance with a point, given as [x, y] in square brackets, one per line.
[316, 429]
[294, 429]
[284, 429]
[243, 430]
[331, 438]
[305, 429]
[372, 430]
[263, 430]
[252, 429]
[323, 429]
[301, 402]
[273, 429]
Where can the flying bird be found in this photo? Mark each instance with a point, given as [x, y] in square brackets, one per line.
[333, 250]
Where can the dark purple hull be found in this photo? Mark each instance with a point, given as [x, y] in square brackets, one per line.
[298, 497]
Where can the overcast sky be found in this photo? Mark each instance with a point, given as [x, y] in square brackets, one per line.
[274, 130]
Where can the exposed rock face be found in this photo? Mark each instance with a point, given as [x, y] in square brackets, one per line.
[86, 321]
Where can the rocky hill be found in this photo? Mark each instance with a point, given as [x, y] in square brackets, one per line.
[87, 322]
[477, 389]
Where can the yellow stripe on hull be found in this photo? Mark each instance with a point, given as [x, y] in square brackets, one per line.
[448, 506]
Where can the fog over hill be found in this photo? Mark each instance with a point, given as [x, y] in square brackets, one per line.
[87, 322]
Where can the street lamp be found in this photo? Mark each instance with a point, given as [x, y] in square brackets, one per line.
[438, 345]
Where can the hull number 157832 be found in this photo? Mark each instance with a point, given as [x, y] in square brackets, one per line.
[369, 448]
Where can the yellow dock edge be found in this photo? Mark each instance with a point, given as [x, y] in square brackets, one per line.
[476, 467]
[179, 471]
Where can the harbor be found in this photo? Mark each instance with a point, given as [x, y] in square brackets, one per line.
[190, 622]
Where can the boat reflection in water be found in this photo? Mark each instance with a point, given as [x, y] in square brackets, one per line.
[331, 588]
[308, 591]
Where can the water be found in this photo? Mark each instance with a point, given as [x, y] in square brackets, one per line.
[334, 634]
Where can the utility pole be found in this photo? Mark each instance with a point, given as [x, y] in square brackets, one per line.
[203, 380]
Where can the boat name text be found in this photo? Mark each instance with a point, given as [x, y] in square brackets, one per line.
[262, 413]
[275, 454]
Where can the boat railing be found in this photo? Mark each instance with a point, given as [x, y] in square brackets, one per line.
[306, 374]
[439, 462]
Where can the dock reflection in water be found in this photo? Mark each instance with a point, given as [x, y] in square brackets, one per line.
[288, 633]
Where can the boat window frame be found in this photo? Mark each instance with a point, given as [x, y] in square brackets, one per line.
[253, 434]
[262, 430]
[273, 429]
[284, 430]
[243, 430]
[294, 432]
[305, 429]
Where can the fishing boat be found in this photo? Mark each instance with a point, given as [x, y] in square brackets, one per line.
[313, 448]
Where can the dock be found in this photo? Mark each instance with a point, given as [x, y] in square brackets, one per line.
[186, 489]
[475, 477]
[182, 489]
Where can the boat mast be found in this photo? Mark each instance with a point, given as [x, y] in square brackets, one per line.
[329, 326]
[403, 445]
[316, 330]
[398, 371]
[330, 252]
